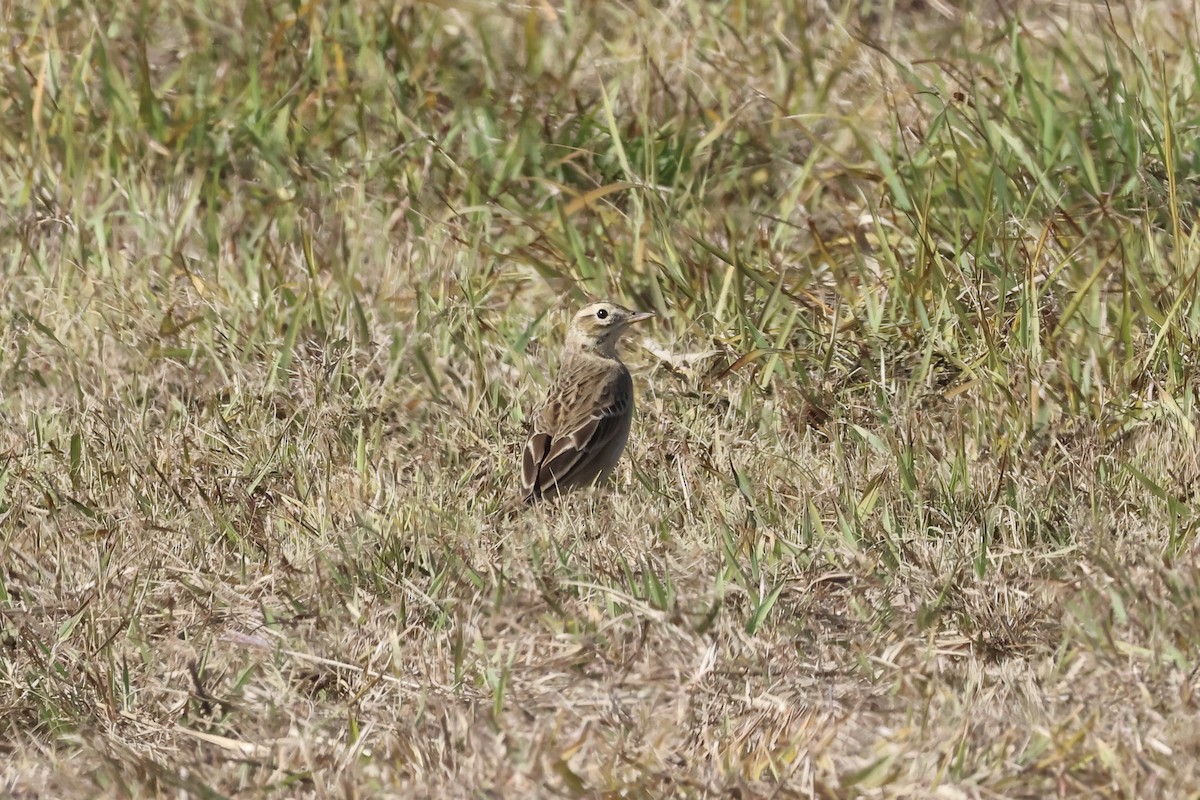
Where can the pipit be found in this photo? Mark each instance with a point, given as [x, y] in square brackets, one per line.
[579, 432]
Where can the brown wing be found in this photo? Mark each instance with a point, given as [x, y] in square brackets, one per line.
[535, 454]
[564, 445]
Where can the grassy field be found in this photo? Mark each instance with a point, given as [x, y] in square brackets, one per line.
[911, 499]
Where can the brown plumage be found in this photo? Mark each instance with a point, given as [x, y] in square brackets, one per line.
[579, 432]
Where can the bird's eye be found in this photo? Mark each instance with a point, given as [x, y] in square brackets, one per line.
[602, 314]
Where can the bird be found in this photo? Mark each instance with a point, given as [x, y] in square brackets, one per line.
[579, 431]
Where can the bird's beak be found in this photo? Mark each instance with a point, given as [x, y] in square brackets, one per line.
[638, 316]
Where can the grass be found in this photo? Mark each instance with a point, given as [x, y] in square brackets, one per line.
[910, 504]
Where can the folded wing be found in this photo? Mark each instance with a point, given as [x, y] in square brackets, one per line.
[566, 449]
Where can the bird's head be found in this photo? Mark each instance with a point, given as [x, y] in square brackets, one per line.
[599, 326]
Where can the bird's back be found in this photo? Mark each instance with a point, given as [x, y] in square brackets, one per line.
[580, 431]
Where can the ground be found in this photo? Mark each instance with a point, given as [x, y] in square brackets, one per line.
[910, 503]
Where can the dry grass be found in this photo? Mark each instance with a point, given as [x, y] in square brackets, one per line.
[910, 503]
